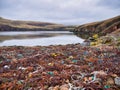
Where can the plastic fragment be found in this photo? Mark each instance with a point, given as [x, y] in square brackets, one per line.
[6, 67]
[106, 86]
[51, 73]
[117, 81]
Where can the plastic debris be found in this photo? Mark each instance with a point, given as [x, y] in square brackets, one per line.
[20, 56]
[6, 67]
[50, 64]
[117, 81]
[106, 86]
[74, 61]
[21, 68]
[51, 73]
[68, 67]
[70, 57]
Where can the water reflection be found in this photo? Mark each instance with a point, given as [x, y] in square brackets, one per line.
[31, 34]
[33, 38]
[81, 35]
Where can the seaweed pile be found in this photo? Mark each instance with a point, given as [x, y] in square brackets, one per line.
[61, 67]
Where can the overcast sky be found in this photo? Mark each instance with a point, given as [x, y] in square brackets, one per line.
[69, 12]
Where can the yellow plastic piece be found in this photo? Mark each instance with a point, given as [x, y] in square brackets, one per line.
[95, 36]
[92, 43]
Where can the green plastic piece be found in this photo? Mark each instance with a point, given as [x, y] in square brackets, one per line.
[74, 61]
[106, 86]
[51, 73]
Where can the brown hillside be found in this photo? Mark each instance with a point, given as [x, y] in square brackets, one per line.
[101, 28]
[14, 25]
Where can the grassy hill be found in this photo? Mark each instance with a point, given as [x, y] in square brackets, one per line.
[101, 28]
[14, 25]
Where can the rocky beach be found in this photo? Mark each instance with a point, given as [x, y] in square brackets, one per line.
[61, 67]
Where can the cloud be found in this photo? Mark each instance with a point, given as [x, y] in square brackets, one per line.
[110, 3]
[60, 11]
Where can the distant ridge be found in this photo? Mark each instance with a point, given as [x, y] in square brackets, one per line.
[15, 25]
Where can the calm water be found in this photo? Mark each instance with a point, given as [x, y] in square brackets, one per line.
[35, 38]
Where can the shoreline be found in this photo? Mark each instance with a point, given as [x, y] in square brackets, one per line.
[59, 67]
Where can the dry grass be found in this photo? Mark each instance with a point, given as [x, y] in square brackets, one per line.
[101, 23]
[29, 24]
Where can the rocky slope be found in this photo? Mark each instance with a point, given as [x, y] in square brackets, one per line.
[101, 28]
[13, 25]
[112, 38]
